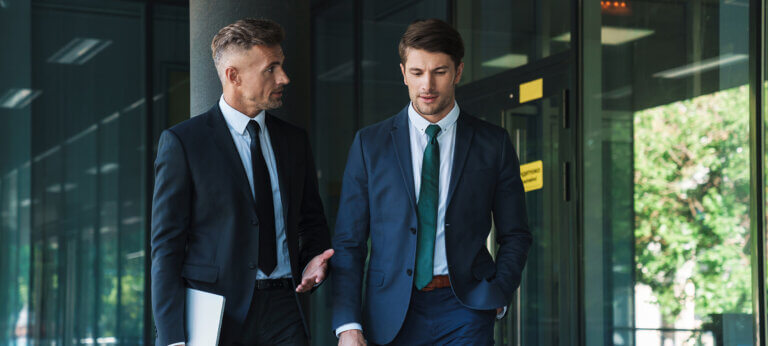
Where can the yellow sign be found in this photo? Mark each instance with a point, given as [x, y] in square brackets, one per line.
[532, 175]
[532, 90]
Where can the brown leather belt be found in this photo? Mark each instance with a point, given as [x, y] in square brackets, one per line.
[438, 281]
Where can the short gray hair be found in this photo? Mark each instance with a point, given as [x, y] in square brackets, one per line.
[244, 34]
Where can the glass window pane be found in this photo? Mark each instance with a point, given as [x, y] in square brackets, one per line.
[334, 122]
[502, 35]
[15, 204]
[383, 24]
[73, 172]
[666, 173]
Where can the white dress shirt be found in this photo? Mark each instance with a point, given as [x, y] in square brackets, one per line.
[446, 139]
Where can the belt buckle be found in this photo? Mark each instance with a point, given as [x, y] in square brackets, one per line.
[268, 284]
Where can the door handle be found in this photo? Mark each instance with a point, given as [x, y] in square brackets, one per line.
[566, 181]
[564, 111]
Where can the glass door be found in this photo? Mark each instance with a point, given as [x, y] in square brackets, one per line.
[532, 104]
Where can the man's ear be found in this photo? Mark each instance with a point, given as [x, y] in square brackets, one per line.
[459, 71]
[402, 69]
[231, 75]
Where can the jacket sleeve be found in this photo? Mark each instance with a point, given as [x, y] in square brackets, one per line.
[511, 221]
[314, 236]
[171, 209]
[350, 241]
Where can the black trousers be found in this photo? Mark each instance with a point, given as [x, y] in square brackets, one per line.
[273, 319]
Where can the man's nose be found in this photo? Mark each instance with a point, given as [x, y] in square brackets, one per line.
[283, 79]
[429, 83]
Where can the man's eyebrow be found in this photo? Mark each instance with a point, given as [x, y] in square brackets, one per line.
[418, 69]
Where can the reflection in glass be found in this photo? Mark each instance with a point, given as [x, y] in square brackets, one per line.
[502, 35]
[534, 130]
[383, 93]
[666, 174]
[73, 188]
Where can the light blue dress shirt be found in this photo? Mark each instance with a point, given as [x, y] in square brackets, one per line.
[237, 122]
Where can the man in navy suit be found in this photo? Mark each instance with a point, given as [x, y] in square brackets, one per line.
[236, 210]
[424, 186]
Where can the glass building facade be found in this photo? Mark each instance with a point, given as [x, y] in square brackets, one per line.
[86, 86]
[643, 121]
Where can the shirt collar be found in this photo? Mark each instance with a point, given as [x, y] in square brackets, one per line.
[237, 120]
[445, 123]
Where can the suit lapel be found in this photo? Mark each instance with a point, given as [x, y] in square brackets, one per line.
[280, 145]
[401, 139]
[226, 145]
[464, 133]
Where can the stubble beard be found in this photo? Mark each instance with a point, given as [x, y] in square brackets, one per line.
[272, 104]
[435, 109]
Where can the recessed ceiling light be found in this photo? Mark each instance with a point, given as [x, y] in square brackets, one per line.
[701, 66]
[79, 51]
[507, 61]
[612, 36]
[18, 98]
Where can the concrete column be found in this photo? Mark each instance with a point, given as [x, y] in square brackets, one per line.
[208, 16]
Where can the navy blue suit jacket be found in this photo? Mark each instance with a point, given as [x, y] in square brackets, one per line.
[205, 231]
[378, 202]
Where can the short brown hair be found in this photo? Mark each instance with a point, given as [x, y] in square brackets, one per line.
[244, 34]
[432, 35]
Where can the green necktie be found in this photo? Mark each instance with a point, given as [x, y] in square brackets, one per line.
[427, 209]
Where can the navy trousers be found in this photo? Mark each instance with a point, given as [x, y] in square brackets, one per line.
[438, 318]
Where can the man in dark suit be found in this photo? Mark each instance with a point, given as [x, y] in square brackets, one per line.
[424, 186]
[236, 210]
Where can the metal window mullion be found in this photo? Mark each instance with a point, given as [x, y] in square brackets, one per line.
[757, 164]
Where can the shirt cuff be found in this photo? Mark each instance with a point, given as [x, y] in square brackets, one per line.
[348, 326]
[501, 314]
[177, 344]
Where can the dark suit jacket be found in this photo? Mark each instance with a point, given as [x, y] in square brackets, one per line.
[378, 200]
[205, 231]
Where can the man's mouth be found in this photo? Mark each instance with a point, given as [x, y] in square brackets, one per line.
[428, 98]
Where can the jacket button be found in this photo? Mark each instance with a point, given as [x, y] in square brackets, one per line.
[413, 230]
[409, 272]
[447, 225]
[251, 265]
[254, 221]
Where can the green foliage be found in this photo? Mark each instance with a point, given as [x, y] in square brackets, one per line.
[692, 203]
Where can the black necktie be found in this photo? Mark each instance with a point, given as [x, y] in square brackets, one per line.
[265, 208]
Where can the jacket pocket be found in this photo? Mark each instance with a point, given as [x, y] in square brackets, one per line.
[204, 273]
[483, 266]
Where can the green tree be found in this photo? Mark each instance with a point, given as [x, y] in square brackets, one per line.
[692, 203]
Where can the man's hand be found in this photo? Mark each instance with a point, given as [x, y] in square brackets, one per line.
[352, 337]
[315, 271]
